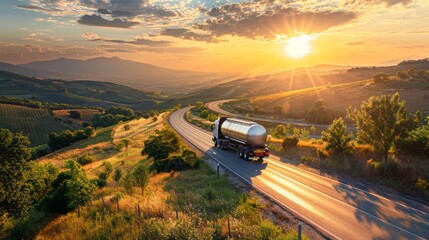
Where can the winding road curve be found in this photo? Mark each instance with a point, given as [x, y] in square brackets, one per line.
[338, 208]
[215, 107]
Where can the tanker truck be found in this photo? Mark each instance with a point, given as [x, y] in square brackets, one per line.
[248, 138]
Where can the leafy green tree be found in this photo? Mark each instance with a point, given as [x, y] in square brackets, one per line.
[141, 176]
[15, 153]
[71, 190]
[118, 196]
[126, 142]
[337, 137]
[280, 130]
[117, 175]
[382, 121]
[199, 105]
[190, 158]
[204, 114]
[128, 183]
[160, 145]
[118, 110]
[39, 179]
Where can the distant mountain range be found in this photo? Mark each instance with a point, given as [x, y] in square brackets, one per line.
[134, 74]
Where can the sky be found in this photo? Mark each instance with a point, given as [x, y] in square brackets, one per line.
[225, 36]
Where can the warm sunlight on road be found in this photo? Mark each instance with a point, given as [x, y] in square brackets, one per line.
[298, 47]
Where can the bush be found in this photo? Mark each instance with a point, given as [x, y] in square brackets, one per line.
[290, 141]
[381, 77]
[85, 159]
[337, 137]
[204, 114]
[75, 114]
[117, 110]
[383, 169]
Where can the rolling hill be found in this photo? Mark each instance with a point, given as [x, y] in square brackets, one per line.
[295, 79]
[85, 93]
[130, 73]
[36, 123]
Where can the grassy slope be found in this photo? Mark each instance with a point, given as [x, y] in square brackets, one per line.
[340, 96]
[201, 188]
[88, 93]
[37, 123]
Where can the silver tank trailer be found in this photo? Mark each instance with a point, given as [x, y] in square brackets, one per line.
[245, 131]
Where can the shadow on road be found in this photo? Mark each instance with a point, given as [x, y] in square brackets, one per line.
[396, 219]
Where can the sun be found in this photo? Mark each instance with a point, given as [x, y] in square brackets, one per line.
[298, 47]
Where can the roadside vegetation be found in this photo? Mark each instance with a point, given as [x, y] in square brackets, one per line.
[201, 116]
[124, 186]
[391, 145]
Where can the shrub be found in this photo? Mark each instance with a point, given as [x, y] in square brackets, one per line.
[290, 141]
[75, 114]
[127, 127]
[381, 77]
[280, 130]
[204, 114]
[422, 184]
[337, 137]
[85, 159]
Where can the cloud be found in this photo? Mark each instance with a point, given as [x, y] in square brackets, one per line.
[376, 2]
[90, 36]
[188, 34]
[97, 20]
[256, 21]
[37, 8]
[137, 41]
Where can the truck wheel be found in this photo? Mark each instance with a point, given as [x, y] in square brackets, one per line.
[246, 155]
[240, 153]
[261, 159]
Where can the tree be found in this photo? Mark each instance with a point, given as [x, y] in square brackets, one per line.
[382, 121]
[71, 190]
[337, 137]
[75, 114]
[199, 105]
[204, 114]
[15, 153]
[141, 176]
[117, 175]
[128, 183]
[280, 130]
[402, 75]
[118, 110]
[160, 145]
[126, 142]
[381, 77]
[118, 196]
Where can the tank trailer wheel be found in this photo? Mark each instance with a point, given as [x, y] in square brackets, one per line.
[246, 155]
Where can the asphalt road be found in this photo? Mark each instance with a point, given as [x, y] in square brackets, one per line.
[338, 208]
[214, 106]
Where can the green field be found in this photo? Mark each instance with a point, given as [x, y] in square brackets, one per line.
[36, 123]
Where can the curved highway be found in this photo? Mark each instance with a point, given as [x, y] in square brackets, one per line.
[215, 107]
[338, 208]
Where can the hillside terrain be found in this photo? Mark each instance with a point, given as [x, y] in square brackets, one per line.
[36, 123]
[85, 93]
[130, 73]
[296, 79]
[187, 204]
